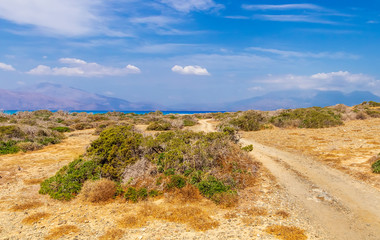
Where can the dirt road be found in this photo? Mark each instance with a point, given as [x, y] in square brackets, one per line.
[331, 200]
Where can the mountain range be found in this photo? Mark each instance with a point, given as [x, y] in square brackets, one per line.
[57, 97]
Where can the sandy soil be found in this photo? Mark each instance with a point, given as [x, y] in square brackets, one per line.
[25, 214]
[347, 148]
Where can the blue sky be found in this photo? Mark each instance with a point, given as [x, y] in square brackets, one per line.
[178, 51]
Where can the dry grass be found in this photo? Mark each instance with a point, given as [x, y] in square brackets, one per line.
[35, 218]
[230, 215]
[33, 181]
[256, 211]
[98, 191]
[58, 232]
[187, 194]
[26, 206]
[282, 214]
[193, 216]
[112, 234]
[132, 221]
[286, 233]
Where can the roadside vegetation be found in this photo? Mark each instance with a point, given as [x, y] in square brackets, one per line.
[189, 164]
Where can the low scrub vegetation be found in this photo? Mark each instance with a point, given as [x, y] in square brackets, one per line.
[376, 164]
[315, 117]
[147, 166]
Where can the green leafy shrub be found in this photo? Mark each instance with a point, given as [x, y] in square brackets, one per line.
[248, 148]
[134, 195]
[212, 186]
[314, 117]
[189, 122]
[116, 148]
[11, 131]
[69, 180]
[376, 165]
[159, 126]
[176, 181]
[61, 129]
[9, 147]
[248, 121]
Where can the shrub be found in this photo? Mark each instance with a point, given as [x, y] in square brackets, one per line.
[116, 148]
[248, 121]
[376, 165]
[98, 191]
[176, 181]
[159, 126]
[211, 186]
[69, 180]
[248, 148]
[314, 117]
[28, 146]
[9, 147]
[61, 129]
[11, 131]
[189, 122]
[134, 195]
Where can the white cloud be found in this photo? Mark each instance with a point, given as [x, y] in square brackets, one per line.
[190, 70]
[83, 69]
[192, 5]
[6, 67]
[302, 6]
[293, 18]
[340, 81]
[68, 17]
[154, 20]
[284, 53]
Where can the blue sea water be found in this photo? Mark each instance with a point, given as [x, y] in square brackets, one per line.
[136, 112]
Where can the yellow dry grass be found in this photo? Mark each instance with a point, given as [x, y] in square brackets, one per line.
[282, 213]
[286, 233]
[61, 231]
[26, 206]
[36, 217]
[98, 191]
[33, 181]
[193, 216]
[256, 211]
[112, 234]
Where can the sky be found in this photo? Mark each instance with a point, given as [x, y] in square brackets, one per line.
[190, 51]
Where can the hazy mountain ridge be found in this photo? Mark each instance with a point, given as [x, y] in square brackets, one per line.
[54, 96]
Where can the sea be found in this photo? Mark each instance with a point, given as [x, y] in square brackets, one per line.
[102, 112]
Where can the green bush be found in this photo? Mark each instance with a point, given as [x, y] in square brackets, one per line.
[189, 122]
[248, 121]
[116, 148]
[159, 126]
[212, 186]
[134, 195]
[11, 131]
[176, 181]
[248, 148]
[314, 117]
[376, 165]
[8, 147]
[68, 181]
[61, 129]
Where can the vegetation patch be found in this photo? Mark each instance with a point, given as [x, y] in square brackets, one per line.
[112, 234]
[36, 217]
[69, 180]
[286, 233]
[98, 191]
[376, 164]
[314, 117]
[61, 231]
[26, 206]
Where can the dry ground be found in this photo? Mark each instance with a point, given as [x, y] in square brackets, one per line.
[24, 214]
[347, 148]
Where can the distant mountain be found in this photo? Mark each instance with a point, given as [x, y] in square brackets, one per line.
[53, 97]
[301, 99]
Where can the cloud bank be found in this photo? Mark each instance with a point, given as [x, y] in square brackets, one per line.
[190, 70]
[81, 68]
[192, 5]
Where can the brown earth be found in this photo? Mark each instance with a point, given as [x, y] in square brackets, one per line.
[265, 210]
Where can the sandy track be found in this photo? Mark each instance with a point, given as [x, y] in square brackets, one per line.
[331, 200]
